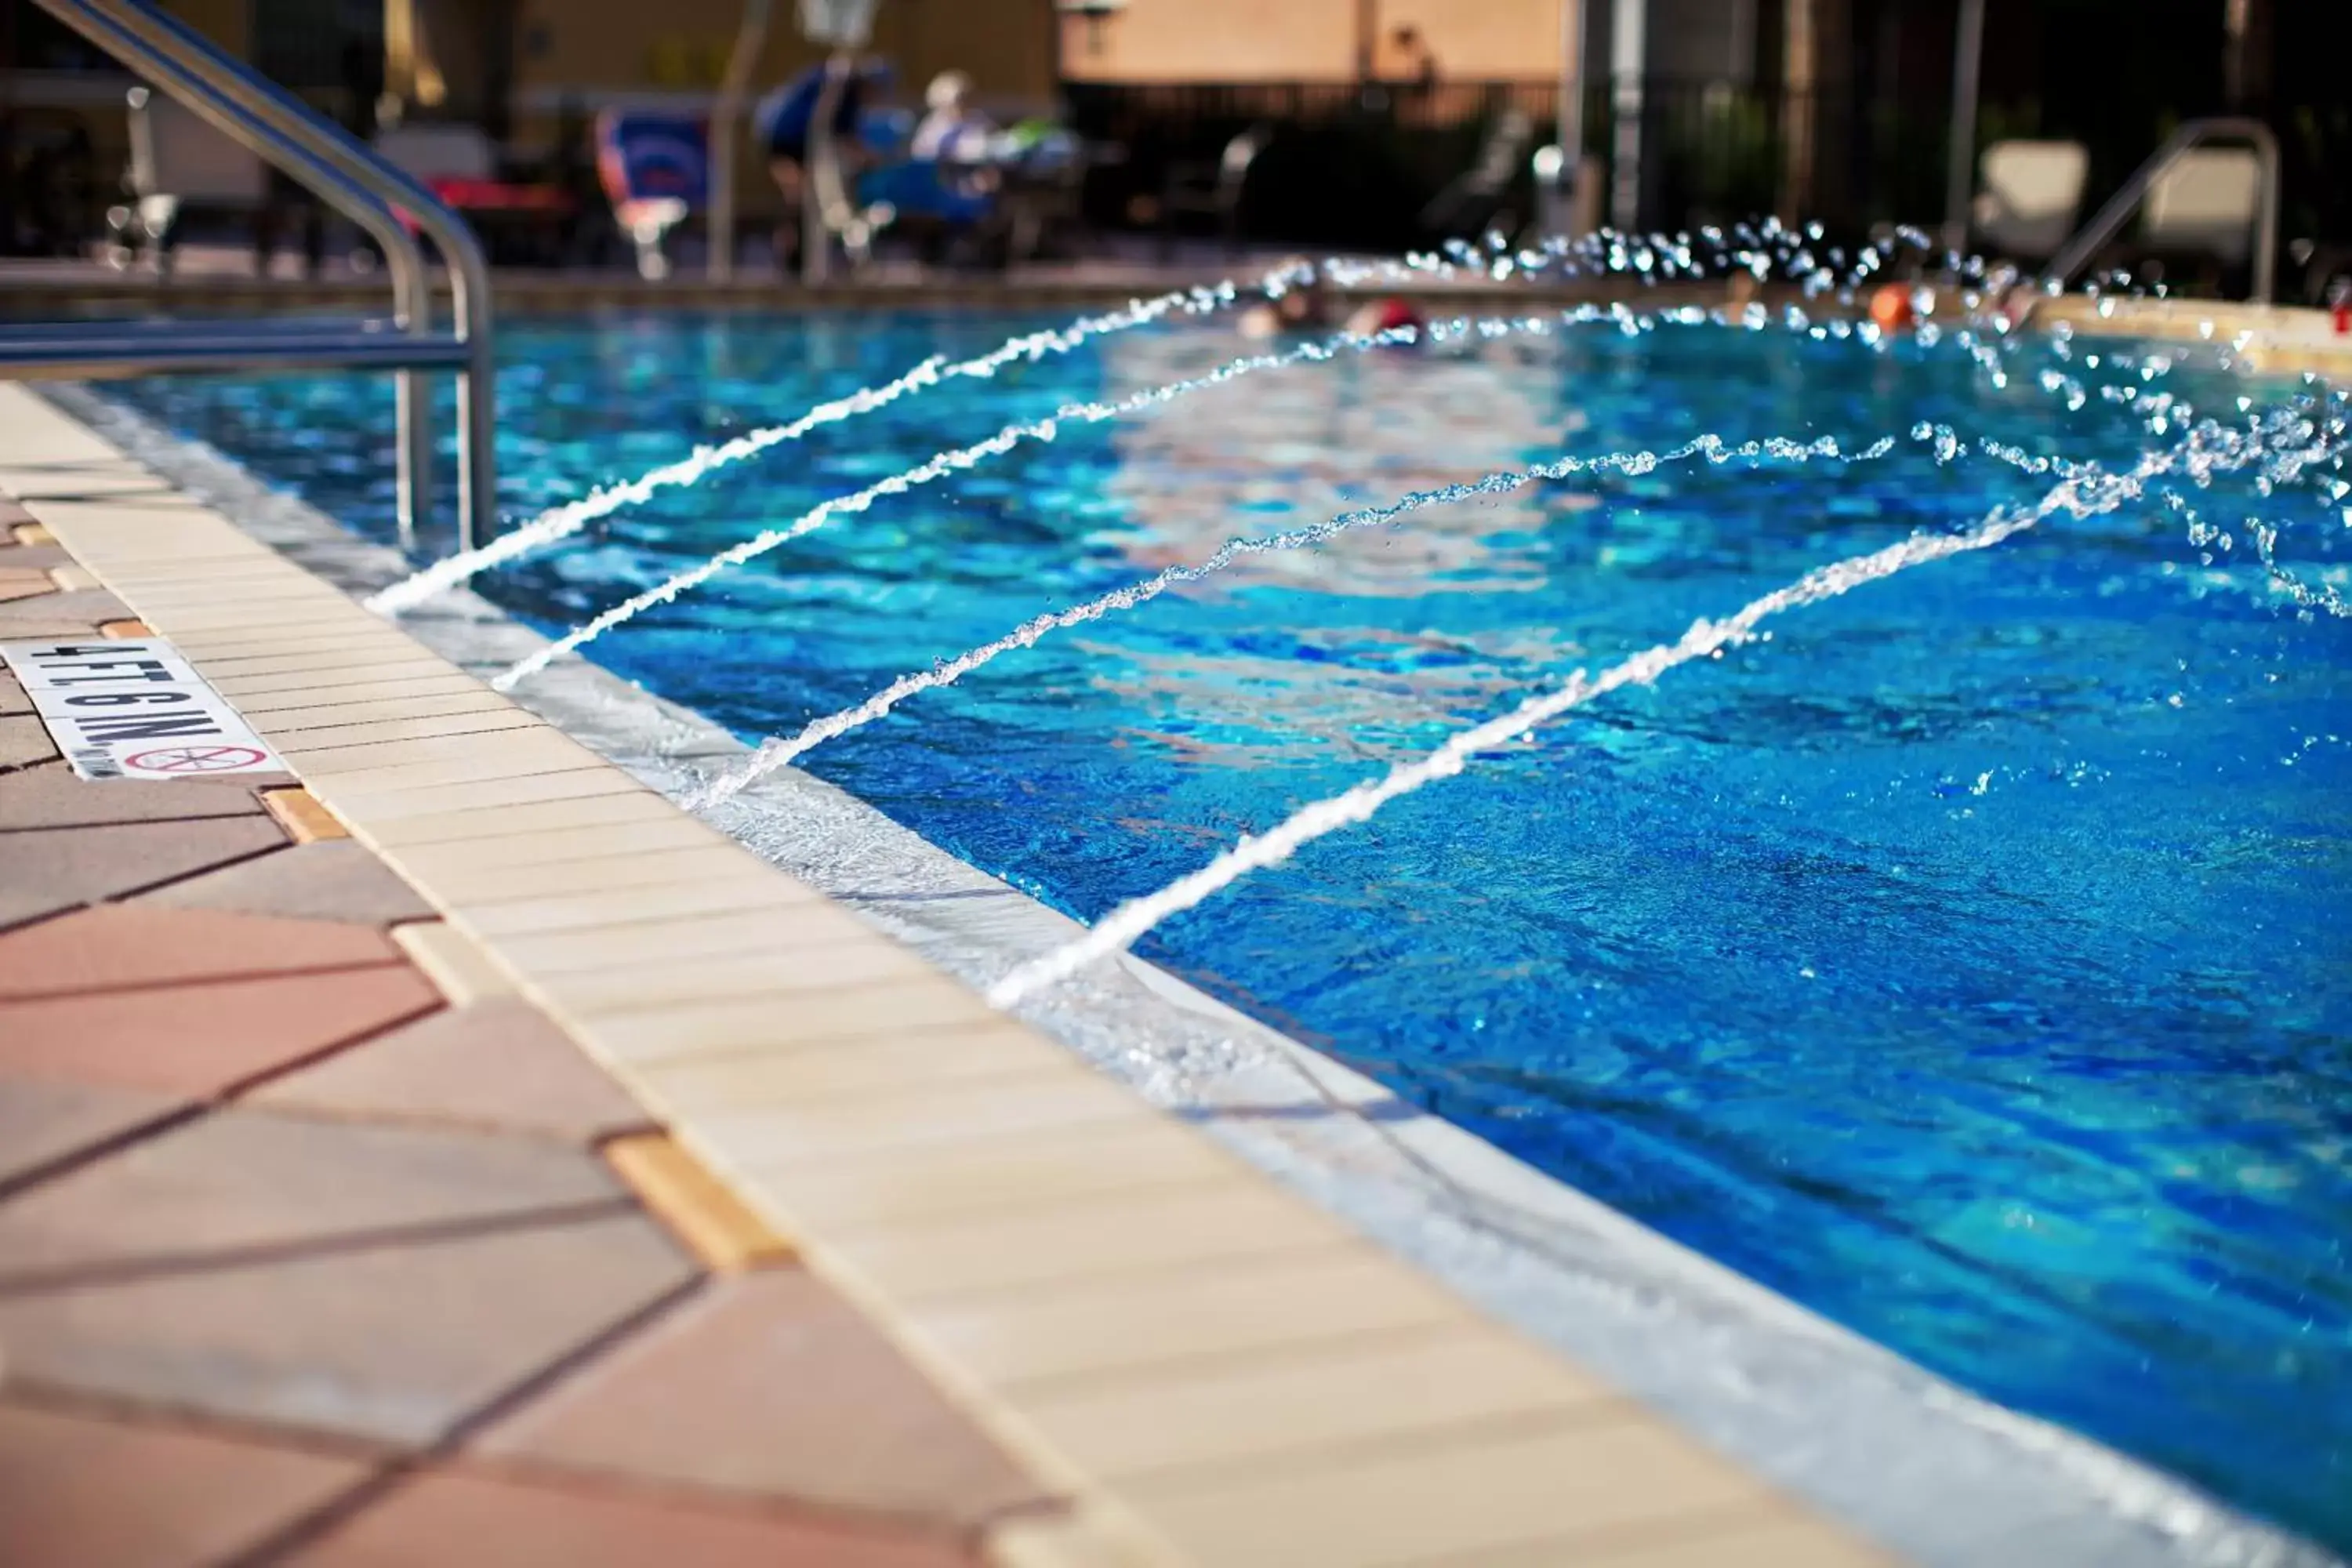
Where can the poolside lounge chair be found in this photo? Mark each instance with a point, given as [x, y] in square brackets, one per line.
[2205, 204]
[461, 164]
[2031, 196]
[1211, 190]
[935, 205]
[656, 170]
[1477, 199]
[180, 163]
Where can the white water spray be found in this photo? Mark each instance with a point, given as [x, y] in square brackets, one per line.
[1651, 257]
[561, 522]
[780, 751]
[1005, 440]
[2085, 492]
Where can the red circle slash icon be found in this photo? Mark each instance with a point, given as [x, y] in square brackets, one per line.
[196, 759]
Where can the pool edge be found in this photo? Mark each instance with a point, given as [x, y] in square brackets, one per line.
[1906, 1458]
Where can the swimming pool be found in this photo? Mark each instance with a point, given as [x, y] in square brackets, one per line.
[1963, 962]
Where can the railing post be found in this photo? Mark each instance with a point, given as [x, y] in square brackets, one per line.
[412, 435]
[725, 113]
[1959, 172]
[2266, 218]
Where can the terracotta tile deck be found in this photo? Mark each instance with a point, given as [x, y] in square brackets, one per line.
[329, 1115]
[297, 1196]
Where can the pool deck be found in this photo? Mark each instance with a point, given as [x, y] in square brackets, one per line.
[452, 1153]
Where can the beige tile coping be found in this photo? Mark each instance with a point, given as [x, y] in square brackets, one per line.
[2280, 339]
[1217, 1371]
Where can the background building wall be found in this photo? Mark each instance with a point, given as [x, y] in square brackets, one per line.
[600, 47]
[1215, 40]
[1308, 40]
[1483, 40]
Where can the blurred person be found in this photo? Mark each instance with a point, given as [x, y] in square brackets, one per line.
[1409, 62]
[1404, 68]
[952, 131]
[1307, 307]
[956, 139]
[1891, 308]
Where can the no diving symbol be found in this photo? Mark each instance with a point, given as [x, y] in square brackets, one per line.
[195, 759]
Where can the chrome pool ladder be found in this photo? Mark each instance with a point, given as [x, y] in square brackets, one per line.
[349, 176]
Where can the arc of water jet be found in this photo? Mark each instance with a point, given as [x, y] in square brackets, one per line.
[2083, 494]
[944, 463]
[777, 752]
[964, 458]
[561, 521]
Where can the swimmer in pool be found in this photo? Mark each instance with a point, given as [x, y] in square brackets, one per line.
[1307, 307]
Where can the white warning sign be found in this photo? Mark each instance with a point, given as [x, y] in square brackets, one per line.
[133, 709]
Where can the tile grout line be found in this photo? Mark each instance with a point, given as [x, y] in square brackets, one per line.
[398, 1469]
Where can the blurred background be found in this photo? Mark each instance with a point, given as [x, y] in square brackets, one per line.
[1352, 124]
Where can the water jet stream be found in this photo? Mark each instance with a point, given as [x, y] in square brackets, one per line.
[2085, 492]
[1605, 253]
[947, 462]
[777, 752]
[561, 522]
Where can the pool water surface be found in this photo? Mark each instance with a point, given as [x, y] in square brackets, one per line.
[1967, 961]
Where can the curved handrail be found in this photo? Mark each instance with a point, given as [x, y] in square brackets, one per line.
[285, 131]
[2110, 218]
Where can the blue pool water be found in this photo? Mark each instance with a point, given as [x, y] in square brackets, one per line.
[1969, 962]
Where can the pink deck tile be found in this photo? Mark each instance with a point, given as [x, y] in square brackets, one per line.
[123, 946]
[201, 1039]
[50, 870]
[79, 1492]
[499, 1063]
[53, 798]
[25, 741]
[337, 880]
[770, 1384]
[43, 1120]
[452, 1519]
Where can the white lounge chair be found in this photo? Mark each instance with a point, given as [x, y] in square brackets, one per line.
[431, 153]
[2207, 202]
[2032, 193]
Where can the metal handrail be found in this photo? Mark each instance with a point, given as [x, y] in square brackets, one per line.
[350, 176]
[99, 353]
[411, 284]
[2110, 218]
